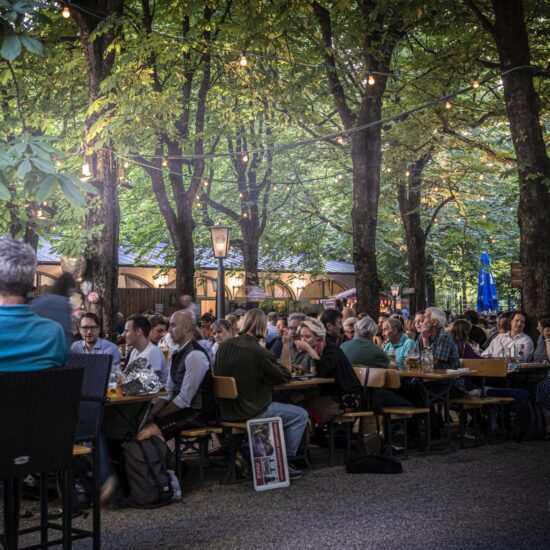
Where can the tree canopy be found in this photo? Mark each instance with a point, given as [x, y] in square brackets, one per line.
[372, 131]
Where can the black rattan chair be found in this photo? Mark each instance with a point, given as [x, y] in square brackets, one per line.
[97, 368]
[39, 412]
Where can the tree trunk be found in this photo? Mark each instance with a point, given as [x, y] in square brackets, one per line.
[430, 281]
[408, 197]
[366, 156]
[522, 106]
[184, 247]
[105, 210]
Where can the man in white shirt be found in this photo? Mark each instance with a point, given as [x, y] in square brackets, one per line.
[190, 399]
[136, 333]
[507, 342]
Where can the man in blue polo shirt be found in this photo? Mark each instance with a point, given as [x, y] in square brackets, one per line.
[91, 342]
[27, 341]
[397, 342]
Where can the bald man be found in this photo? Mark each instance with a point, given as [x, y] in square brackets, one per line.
[190, 399]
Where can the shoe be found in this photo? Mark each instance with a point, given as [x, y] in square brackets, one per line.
[242, 466]
[294, 473]
[108, 489]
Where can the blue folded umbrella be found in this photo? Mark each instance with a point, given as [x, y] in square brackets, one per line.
[487, 299]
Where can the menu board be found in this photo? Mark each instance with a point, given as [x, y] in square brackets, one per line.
[268, 453]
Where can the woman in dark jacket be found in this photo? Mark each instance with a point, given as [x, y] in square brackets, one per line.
[328, 361]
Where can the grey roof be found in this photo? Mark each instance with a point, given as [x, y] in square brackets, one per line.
[204, 259]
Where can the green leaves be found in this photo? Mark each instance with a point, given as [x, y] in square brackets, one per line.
[28, 160]
[11, 47]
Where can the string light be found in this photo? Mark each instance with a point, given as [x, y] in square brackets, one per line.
[243, 61]
[388, 170]
[241, 195]
[448, 104]
[340, 140]
[126, 164]
[65, 12]
[275, 188]
[475, 83]
[288, 187]
[58, 163]
[205, 183]
[165, 163]
[245, 215]
[370, 80]
[86, 172]
[245, 158]
[407, 173]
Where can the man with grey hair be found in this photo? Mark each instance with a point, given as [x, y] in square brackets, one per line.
[433, 336]
[27, 342]
[294, 321]
[361, 350]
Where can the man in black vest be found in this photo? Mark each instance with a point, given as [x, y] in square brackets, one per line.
[190, 399]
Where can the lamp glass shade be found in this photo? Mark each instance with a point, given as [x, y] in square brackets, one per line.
[395, 290]
[220, 240]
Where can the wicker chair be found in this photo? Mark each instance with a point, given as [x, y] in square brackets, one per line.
[39, 411]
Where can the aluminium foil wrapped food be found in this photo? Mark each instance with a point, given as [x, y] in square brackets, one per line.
[139, 378]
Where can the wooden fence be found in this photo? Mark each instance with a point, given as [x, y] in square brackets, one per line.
[138, 300]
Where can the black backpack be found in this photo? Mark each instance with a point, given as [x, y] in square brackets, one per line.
[149, 482]
[373, 464]
[529, 422]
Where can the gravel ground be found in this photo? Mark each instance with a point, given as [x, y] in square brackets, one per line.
[495, 496]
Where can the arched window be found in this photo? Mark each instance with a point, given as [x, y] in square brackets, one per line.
[278, 290]
[319, 290]
[125, 280]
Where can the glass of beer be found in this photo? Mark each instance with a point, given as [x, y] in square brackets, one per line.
[412, 361]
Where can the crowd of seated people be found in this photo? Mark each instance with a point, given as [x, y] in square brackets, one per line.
[260, 351]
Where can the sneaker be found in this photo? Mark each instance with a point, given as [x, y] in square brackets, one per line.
[294, 473]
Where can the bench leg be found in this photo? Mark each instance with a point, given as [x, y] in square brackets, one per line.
[331, 443]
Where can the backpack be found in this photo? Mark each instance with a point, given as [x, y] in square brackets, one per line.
[149, 482]
[529, 422]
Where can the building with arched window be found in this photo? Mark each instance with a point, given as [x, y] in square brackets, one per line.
[281, 286]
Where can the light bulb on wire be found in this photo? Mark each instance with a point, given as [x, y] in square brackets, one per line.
[165, 163]
[245, 158]
[371, 80]
[448, 104]
[65, 12]
[475, 83]
[243, 61]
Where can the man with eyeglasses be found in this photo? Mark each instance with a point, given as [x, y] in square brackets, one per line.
[91, 342]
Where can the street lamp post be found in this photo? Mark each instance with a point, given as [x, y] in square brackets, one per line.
[394, 294]
[220, 246]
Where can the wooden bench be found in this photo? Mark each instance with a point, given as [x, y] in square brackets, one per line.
[225, 387]
[399, 415]
[481, 368]
[188, 439]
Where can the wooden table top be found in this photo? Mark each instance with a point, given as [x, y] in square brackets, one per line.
[533, 366]
[308, 383]
[436, 374]
[123, 399]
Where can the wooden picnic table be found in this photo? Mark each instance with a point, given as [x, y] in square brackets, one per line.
[303, 382]
[532, 366]
[435, 375]
[113, 399]
[435, 387]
